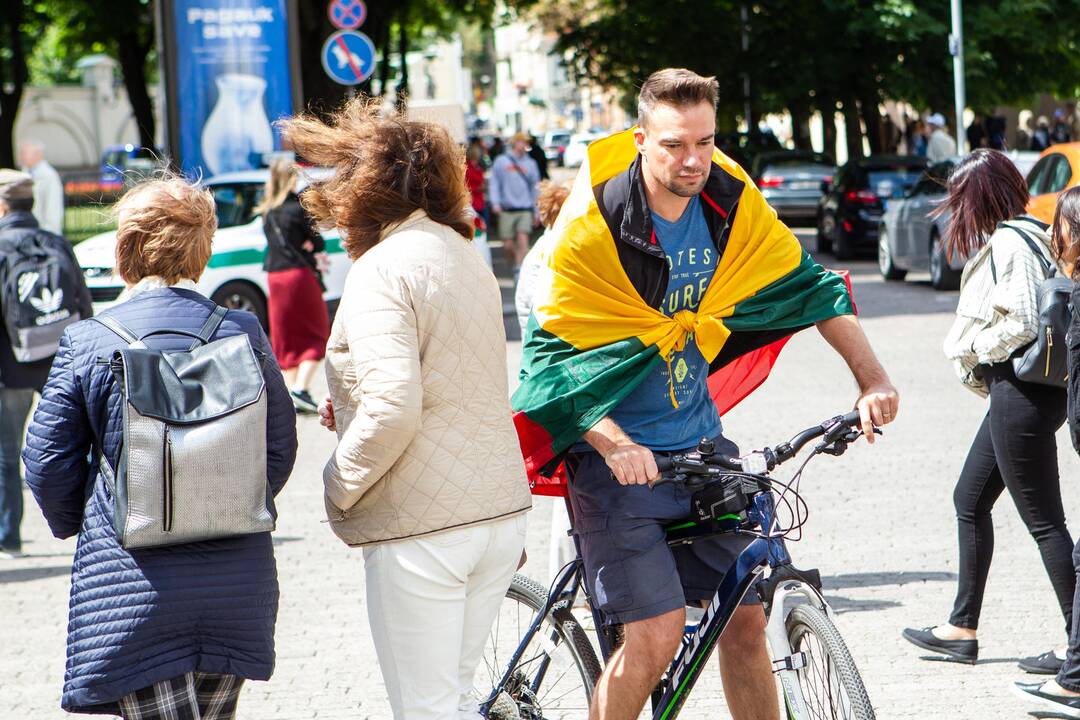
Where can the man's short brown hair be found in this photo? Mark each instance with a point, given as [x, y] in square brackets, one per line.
[166, 228]
[676, 86]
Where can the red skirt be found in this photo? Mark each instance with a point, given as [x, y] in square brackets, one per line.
[299, 321]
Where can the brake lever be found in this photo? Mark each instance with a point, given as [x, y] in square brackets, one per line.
[838, 445]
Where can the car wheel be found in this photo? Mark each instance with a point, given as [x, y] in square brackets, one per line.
[843, 244]
[942, 277]
[885, 262]
[824, 231]
[239, 295]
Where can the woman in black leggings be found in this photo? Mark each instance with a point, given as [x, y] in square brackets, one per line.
[1014, 448]
[1063, 692]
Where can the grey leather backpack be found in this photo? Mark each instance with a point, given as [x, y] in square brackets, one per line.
[193, 457]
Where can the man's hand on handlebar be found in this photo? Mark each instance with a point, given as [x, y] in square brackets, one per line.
[632, 464]
[877, 405]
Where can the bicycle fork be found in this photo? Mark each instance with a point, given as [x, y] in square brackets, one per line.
[786, 662]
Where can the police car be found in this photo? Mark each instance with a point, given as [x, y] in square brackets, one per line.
[234, 277]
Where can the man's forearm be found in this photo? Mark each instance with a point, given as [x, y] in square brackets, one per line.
[606, 435]
[846, 336]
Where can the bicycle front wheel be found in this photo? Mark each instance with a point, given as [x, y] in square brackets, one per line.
[556, 674]
[830, 682]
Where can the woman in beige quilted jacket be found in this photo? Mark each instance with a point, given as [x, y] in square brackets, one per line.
[427, 476]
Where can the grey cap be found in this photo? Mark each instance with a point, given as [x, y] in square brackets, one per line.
[15, 185]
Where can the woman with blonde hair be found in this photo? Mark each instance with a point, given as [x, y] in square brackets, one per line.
[428, 475]
[167, 631]
[299, 321]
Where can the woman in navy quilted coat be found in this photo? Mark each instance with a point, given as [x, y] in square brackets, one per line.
[162, 632]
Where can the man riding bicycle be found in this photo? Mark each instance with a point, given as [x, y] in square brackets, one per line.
[669, 266]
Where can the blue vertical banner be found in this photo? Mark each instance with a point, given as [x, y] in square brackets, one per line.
[229, 76]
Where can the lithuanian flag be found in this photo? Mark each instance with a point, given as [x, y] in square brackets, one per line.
[593, 337]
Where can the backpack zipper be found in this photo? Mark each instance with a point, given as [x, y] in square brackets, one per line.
[167, 481]
[1049, 349]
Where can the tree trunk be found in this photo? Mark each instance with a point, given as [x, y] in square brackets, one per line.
[828, 126]
[800, 124]
[403, 74]
[852, 128]
[132, 56]
[384, 66]
[13, 77]
[871, 118]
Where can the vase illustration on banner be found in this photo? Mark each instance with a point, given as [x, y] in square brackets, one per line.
[237, 133]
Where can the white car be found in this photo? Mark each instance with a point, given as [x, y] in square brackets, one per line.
[576, 151]
[234, 277]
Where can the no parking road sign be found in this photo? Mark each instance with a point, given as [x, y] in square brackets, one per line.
[347, 14]
[348, 57]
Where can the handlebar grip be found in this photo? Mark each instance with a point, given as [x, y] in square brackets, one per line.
[852, 419]
[663, 463]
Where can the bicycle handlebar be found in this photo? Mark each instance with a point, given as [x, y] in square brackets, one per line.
[834, 429]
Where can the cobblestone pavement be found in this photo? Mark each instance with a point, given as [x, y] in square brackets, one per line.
[881, 530]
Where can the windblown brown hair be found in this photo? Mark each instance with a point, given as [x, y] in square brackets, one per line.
[1067, 221]
[984, 190]
[165, 227]
[385, 168]
[675, 86]
[550, 200]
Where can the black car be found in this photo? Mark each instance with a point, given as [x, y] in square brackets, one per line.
[849, 213]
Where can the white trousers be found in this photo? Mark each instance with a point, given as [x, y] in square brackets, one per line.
[431, 602]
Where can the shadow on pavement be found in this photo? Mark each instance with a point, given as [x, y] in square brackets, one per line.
[282, 539]
[29, 574]
[843, 605]
[850, 580]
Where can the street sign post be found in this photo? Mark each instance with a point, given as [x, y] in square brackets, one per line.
[348, 57]
[347, 14]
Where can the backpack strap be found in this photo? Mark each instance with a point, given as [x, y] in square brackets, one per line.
[1048, 269]
[210, 326]
[117, 327]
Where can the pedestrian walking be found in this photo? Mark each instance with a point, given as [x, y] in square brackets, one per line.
[427, 476]
[1063, 691]
[1061, 132]
[1014, 448]
[168, 631]
[21, 237]
[940, 145]
[1040, 137]
[295, 256]
[669, 262]
[549, 202]
[536, 152]
[513, 187]
[48, 188]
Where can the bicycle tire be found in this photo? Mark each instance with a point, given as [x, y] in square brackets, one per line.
[830, 682]
[572, 639]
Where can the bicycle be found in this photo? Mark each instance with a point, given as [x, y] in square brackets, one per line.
[549, 670]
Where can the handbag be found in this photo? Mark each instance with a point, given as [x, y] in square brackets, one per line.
[1045, 359]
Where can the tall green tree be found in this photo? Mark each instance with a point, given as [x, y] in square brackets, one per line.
[21, 22]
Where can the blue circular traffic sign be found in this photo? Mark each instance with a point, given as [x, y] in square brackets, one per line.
[348, 57]
[347, 14]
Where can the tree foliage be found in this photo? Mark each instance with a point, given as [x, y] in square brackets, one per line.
[848, 54]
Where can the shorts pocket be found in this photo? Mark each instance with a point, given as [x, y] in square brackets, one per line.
[604, 570]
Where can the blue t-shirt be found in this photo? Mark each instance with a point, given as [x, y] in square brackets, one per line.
[647, 414]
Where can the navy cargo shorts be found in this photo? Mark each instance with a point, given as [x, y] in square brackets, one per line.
[632, 573]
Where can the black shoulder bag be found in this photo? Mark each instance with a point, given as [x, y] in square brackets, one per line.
[1045, 360]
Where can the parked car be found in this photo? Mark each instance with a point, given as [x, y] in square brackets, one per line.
[791, 181]
[234, 277]
[910, 240]
[576, 148]
[555, 142]
[743, 147]
[850, 210]
[1057, 170]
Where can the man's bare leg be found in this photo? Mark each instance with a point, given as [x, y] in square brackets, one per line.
[636, 667]
[745, 668]
[521, 248]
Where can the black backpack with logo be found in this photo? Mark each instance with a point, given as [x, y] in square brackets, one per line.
[40, 288]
